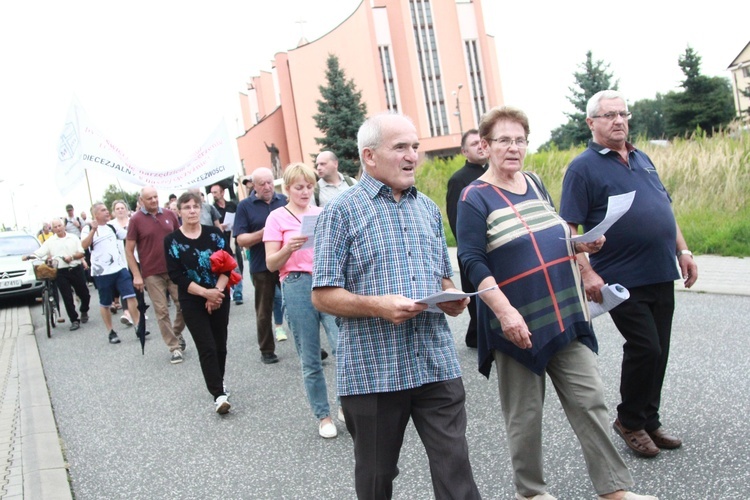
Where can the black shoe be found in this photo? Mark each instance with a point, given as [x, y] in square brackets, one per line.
[269, 358]
[323, 353]
[84, 317]
[75, 325]
[183, 344]
[238, 302]
[113, 338]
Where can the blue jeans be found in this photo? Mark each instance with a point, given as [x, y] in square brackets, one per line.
[278, 307]
[304, 321]
[237, 290]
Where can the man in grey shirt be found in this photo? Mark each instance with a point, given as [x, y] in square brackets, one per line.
[209, 215]
[331, 182]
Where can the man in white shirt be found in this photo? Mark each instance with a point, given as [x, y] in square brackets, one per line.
[66, 249]
[73, 224]
[108, 266]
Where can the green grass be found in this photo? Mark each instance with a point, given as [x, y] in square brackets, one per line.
[707, 177]
[432, 179]
[715, 233]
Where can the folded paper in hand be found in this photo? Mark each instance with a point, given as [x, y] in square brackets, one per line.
[612, 296]
[436, 298]
[617, 205]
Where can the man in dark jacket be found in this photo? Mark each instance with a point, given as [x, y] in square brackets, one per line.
[476, 159]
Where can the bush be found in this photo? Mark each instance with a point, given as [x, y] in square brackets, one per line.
[432, 179]
[707, 177]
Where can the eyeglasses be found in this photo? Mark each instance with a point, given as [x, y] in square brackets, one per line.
[506, 142]
[612, 115]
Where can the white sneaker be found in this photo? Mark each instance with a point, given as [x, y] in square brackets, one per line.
[341, 415]
[176, 357]
[222, 405]
[327, 430]
[280, 334]
[125, 320]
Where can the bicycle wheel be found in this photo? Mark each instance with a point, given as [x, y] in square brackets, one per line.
[47, 311]
[55, 308]
[55, 301]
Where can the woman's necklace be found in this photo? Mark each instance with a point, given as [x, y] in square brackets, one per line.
[192, 232]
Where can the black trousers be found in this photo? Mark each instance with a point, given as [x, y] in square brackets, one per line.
[468, 287]
[87, 272]
[209, 332]
[377, 423]
[645, 321]
[69, 279]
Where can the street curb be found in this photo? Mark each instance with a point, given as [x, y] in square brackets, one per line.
[44, 472]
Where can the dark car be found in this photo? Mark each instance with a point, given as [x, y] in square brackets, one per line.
[16, 276]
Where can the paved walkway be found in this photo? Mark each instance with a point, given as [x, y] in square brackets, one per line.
[31, 460]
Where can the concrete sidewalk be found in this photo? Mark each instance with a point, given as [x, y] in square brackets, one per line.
[31, 458]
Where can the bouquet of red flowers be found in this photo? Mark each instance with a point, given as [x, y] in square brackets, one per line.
[222, 262]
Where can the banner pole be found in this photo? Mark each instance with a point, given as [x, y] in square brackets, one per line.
[125, 195]
[88, 186]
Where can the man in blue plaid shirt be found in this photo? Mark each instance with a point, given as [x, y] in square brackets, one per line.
[379, 247]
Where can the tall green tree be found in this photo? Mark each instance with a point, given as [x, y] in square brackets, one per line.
[340, 114]
[592, 77]
[114, 192]
[704, 103]
[648, 118]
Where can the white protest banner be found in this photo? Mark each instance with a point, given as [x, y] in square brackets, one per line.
[83, 147]
[69, 169]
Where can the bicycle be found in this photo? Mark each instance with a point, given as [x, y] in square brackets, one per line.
[47, 272]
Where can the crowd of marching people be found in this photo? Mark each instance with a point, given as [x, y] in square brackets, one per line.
[355, 256]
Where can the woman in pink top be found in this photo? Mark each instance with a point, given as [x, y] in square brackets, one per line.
[120, 217]
[286, 252]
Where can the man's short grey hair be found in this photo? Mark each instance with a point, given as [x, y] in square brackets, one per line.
[592, 107]
[95, 206]
[370, 134]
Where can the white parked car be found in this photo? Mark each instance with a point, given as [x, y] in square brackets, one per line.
[16, 276]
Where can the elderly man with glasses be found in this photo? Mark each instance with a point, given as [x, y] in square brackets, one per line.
[644, 251]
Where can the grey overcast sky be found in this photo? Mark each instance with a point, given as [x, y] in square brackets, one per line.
[156, 77]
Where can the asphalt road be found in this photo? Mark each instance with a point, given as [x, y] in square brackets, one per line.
[134, 426]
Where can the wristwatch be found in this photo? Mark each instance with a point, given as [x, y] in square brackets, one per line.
[684, 252]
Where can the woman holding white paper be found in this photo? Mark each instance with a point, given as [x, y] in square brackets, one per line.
[536, 322]
[285, 253]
